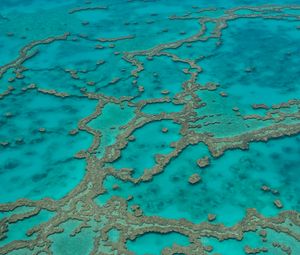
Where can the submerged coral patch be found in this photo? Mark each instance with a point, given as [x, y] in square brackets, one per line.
[129, 127]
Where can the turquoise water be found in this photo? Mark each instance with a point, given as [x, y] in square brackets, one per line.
[64, 243]
[154, 244]
[18, 230]
[252, 40]
[149, 127]
[113, 117]
[148, 147]
[36, 164]
[170, 195]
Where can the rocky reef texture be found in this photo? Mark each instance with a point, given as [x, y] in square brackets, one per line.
[196, 127]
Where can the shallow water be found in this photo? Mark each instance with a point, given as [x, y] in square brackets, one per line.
[149, 127]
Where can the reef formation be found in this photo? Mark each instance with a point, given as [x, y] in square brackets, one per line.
[179, 110]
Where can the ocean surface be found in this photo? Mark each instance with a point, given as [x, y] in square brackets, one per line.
[149, 127]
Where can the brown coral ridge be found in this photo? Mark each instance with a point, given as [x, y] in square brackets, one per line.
[25, 53]
[87, 8]
[126, 37]
[194, 178]
[203, 162]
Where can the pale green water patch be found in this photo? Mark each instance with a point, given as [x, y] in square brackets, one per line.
[156, 77]
[81, 243]
[245, 12]
[286, 240]
[233, 246]
[110, 122]
[18, 210]
[210, 13]
[218, 116]
[158, 108]
[17, 231]
[114, 235]
[153, 243]
[140, 153]
[22, 252]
